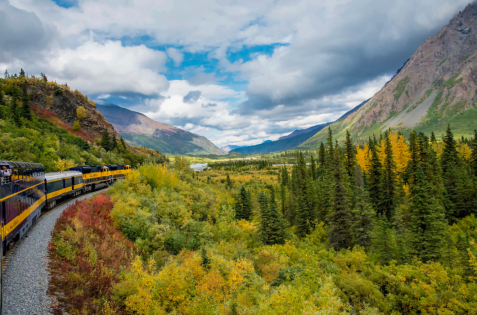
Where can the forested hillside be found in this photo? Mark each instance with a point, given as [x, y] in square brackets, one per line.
[384, 228]
[31, 133]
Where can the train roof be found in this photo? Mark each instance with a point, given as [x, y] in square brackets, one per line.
[61, 175]
[23, 165]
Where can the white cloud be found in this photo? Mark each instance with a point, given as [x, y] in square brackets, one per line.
[175, 55]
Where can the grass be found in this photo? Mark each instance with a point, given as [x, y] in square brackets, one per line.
[453, 81]
[401, 87]
[441, 63]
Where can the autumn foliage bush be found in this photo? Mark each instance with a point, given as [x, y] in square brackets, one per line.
[87, 256]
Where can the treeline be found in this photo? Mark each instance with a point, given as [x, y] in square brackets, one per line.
[397, 200]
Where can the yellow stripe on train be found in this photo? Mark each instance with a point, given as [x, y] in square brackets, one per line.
[8, 228]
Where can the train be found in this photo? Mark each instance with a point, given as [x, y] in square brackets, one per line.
[28, 191]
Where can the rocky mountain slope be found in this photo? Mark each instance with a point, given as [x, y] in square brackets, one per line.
[436, 87]
[297, 137]
[140, 130]
[59, 104]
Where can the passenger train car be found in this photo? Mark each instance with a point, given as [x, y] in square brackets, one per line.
[28, 191]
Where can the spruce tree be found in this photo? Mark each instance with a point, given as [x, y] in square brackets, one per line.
[433, 137]
[272, 228]
[105, 140]
[26, 111]
[362, 214]
[2, 100]
[329, 143]
[322, 155]
[375, 179]
[114, 141]
[473, 159]
[449, 154]
[389, 179]
[340, 216]
[313, 168]
[228, 182]
[382, 240]
[350, 156]
[427, 221]
[15, 112]
[414, 158]
[243, 206]
[22, 73]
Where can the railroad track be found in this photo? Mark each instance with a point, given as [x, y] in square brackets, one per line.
[25, 270]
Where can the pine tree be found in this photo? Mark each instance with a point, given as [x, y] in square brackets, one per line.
[322, 155]
[26, 111]
[272, 228]
[433, 137]
[340, 216]
[389, 179]
[15, 112]
[449, 155]
[427, 221]
[243, 206]
[473, 159]
[313, 168]
[123, 143]
[329, 143]
[2, 100]
[22, 73]
[382, 240]
[414, 158]
[375, 179]
[350, 156]
[305, 209]
[228, 182]
[105, 140]
[114, 141]
[362, 214]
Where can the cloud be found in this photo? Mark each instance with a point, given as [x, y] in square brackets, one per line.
[192, 96]
[23, 37]
[175, 55]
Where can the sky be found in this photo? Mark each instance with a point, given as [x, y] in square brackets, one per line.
[236, 71]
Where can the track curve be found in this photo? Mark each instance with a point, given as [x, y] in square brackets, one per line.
[26, 276]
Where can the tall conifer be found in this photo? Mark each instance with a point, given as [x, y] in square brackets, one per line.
[375, 178]
[389, 179]
[340, 216]
[427, 220]
[473, 158]
[350, 156]
[26, 111]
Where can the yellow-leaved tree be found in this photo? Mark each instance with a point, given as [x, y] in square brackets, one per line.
[64, 164]
[81, 112]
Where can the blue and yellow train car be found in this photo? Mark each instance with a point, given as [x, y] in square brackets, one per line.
[22, 196]
[94, 176]
[118, 171]
[62, 185]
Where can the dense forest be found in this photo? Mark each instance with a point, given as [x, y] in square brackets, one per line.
[384, 228]
[27, 137]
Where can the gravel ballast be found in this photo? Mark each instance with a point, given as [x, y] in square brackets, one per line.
[26, 276]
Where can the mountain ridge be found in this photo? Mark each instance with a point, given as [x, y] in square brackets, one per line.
[138, 129]
[435, 88]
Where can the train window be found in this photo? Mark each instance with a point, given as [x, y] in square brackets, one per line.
[78, 180]
[68, 182]
[54, 186]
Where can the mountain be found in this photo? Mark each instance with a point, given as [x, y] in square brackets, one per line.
[140, 130]
[436, 87]
[58, 104]
[229, 148]
[284, 143]
[301, 131]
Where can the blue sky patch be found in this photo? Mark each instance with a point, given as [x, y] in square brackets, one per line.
[66, 3]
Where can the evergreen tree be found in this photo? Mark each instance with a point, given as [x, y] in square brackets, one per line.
[473, 159]
[105, 140]
[26, 111]
[243, 206]
[272, 228]
[340, 216]
[427, 221]
[22, 73]
[362, 214]
[305, 209]
[322, 155]
[313, 168]
[375, 179]
[414, 158]
[382, 240]
[350, 156]
[205, 259]
[449, 154]
[15, 112]
[228, 183]
[2, 100]
[389, 179]
[329, 143]
[123, 143]
[433, 137]
[114, 141]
